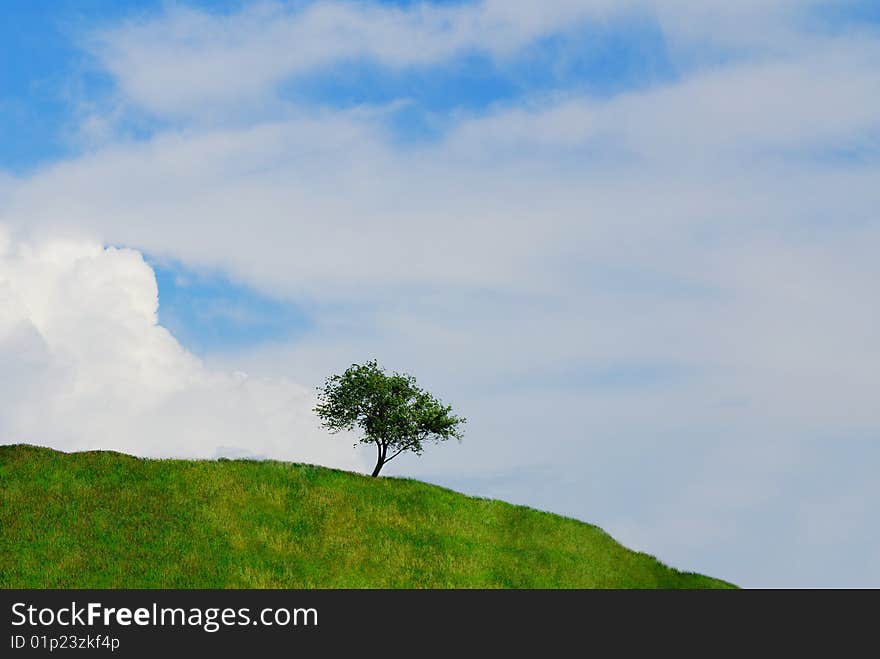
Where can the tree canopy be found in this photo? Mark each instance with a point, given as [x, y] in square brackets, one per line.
[392, 411]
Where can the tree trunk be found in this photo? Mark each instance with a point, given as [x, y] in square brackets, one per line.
[380, 461]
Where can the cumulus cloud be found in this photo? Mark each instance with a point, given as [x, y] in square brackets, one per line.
[86, 365]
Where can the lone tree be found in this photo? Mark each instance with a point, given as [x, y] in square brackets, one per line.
[391, 410]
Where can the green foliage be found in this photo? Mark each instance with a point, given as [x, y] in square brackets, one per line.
[106, 520]
[392, 411]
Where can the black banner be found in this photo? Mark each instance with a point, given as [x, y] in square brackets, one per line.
[134, 623]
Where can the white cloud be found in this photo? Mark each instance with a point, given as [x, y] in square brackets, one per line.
[189, 63]
[186, 61]
[88, 366]
[782, 106]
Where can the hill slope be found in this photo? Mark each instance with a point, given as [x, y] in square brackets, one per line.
[103, 519]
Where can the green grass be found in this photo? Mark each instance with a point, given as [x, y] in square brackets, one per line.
[106, 520]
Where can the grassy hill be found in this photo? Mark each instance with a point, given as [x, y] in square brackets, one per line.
[103, 519]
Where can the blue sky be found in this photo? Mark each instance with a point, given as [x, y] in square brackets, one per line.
[208, 313]
[633, 242]
[45, 76]
[48, 82]
[43, 72]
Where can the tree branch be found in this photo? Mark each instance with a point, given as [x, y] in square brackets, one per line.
[395, 455]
